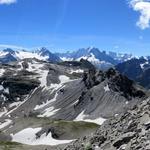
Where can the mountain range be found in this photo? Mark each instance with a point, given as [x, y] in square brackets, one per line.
[64, 101]
[100, 59]
[59, 102]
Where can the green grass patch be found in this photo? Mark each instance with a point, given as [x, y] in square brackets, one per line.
[8, 145]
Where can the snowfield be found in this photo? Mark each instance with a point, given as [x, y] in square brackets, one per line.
[39, 69]
[2, 71]
[5, 124]
[26, 54]
[28, 136]
[3, 112]
[106, 88]
[82, 117]
[76, 71]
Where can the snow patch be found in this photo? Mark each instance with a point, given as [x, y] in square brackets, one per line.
[106, 88]
[93, 59]
[127, 102]
[82, 117]
[6, 90]
[5, 123]
[28, 136]
[39, 69]
[2, 71]
[1, 87]
[66, 59]
[25, 54]
[3, 112]
[14, 104]
[142, 65]
[76, 71]
[49, 112]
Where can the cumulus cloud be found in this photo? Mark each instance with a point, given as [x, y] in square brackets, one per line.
[142, 6]
[7, 2]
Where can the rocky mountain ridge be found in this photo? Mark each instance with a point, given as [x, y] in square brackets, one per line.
[137, 70]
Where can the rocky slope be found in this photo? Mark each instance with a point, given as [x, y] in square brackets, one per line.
[129, 131]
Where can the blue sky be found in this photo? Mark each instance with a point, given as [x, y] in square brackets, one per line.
[62, 25]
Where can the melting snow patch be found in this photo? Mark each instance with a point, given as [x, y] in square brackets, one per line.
[43, 78]
[14, 104]
[127, 102]
[5, 124]
[106, 88]
[116, 115]
[4, 112]
[39, 69]
[142, 65]
[76, 71]
[93, 59]
[2, 71]
[21, 66]
[25, 54]
[28, 136]
[64, 79]
[1, 87]
[82, 116]
[49, 112]
[66, 59]
[6, 90]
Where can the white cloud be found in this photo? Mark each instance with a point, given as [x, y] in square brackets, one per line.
[142, 6]
[7, 2]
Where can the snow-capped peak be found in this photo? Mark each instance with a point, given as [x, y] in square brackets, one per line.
[8, 55]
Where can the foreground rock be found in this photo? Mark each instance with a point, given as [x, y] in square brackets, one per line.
[129, 131]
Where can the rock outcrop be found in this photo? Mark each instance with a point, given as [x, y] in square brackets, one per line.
[128, 131]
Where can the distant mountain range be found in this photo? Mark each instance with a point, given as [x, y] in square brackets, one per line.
[9, 55]
[100, 59]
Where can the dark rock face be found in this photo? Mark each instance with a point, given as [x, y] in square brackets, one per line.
[81, 64]
[18, 87]
[116, 82]
[8, 58]
[46, 53]
[9, 50]
[131, 68]
[128, 131]
[137, 70]
[144, 79]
